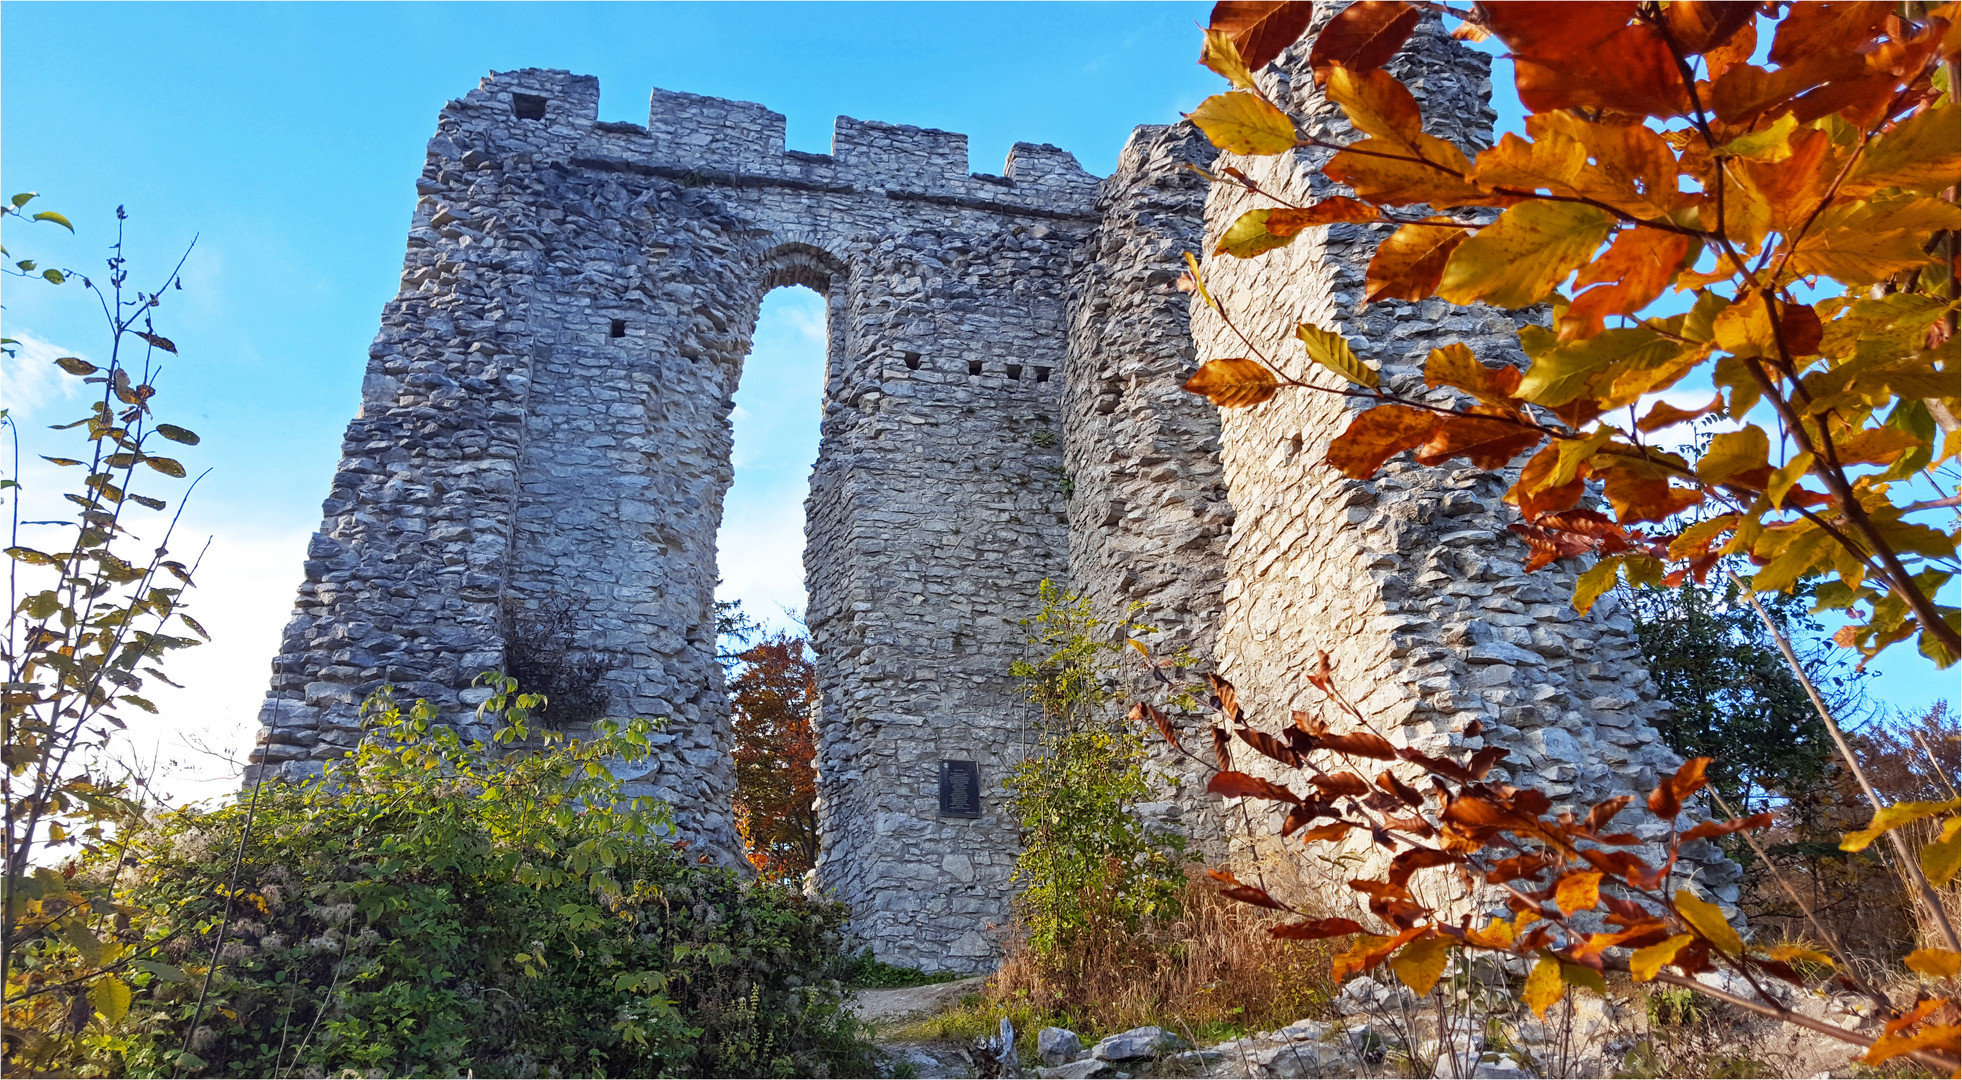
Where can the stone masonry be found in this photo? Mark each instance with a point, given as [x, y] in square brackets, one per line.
[545, 425]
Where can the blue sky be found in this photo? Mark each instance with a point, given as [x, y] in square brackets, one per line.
[286, 138]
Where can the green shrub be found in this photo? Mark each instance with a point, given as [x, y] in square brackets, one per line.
[1088, 864]
[440, 907]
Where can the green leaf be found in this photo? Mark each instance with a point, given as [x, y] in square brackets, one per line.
[161, 970]
[1771, 144]
[1520, 258]
[22, 199]
[1562, 372]
[50, 215]
[178, 434]
[32, 557]
[1332, 351]
[53, 276]
[1248, 236]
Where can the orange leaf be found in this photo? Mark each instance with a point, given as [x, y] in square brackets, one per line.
[1713, 828]
[1342, 783]
[1260, 29]
[1487, 444]
[1664, 415]
[1378, 434]
[1268, 745]
[1636, 268]
[1638, 496]
[1813, 28]
[1532, 494]
[1409, 862]
[1623, 165]
[1234, 889]
[1233, 383]
[1407, 266]
[1455, 366]
[1385, 171]
[1942, 1038]
[1315, 929]
[1578, 890]
[1368, 952]
[1333, 831]
[1363, 37]
[1701, 25]
[1588, 56]
[1377, 104]
[1287, 221]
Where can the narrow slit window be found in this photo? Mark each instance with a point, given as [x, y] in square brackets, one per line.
[1042, 374]
[1014, 373]
[974, 367]
[913, 361]
[618, 329]
[528, 106]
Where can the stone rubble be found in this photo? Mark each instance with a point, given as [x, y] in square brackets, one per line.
[544, 422]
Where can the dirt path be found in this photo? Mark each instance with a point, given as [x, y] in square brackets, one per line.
[910, 1002]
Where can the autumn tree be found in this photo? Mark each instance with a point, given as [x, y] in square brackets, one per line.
[1785, 233]
[773, 699]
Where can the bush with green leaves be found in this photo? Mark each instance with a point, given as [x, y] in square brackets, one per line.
[1089, 865]
[439, 906]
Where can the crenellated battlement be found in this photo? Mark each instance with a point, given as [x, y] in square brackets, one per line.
[720, 140]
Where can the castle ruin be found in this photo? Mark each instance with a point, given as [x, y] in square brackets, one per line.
[545, 422]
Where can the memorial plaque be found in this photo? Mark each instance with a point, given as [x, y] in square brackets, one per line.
[960, 789]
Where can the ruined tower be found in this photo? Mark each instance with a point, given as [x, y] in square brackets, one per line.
[545, 422]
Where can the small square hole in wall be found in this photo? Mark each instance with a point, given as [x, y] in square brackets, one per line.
[974, 367]
[528, 106]
[617, 329]
[913, 361]
[1014, 373]
[1042, 374]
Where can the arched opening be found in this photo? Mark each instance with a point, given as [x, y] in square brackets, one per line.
[770, 667]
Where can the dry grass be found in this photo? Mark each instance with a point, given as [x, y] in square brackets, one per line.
[1212, 973]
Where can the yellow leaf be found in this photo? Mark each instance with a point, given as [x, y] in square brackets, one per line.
[1233, 383]
[1498, 934]
[1769, 144]
[1377, 105]
[1588, 588]
[1940, 857]
[1385, 171]
[1422, 961]
[1745, 329]
[1645, 962]
[1935, 963]
[1920, 154]
[1248, 236]
[1242, 123]
[1564, 371]
[1543, 987]
[1199, 281]
[1893, 817]
[110, 996]
[1708, 920]
[1223, 57]
[1332, 351]
[1789, 953]
[1734, 452]
[1787, 475]
[1520, 258]
[1865, 242]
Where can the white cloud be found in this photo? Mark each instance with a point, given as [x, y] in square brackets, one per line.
[32, 381]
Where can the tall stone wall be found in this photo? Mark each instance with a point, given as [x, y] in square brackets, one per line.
[545, 427]
[1409, 581]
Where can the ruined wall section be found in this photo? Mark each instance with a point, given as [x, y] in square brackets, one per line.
[1149, 517]
[939, 498]
[1409, 580]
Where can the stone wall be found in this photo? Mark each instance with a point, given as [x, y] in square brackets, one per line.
[545, 427]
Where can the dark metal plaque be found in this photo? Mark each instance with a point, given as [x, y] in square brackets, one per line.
[960, 789]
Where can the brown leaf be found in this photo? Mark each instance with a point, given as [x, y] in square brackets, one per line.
[1409, 862]
[1637, 266]
[1363, 37]
[1223, 749]
[1315, 929]
[1546, 545]
[1228, 700]
[1268, 745]
[1144, 711]
[1799, 328]
[1604, 812]
[1287, 221]
[1516, 867]
[1360, 743]
[1531, 493]
[1812, 28]
[157, 341]
[1261, 29]
[1342, 783]
[1482, 761]
[1405, 794]
[1233, 383]
[1246, 894]
[1486, 443]
[1377, 435]
[1308, 723]
[1436, 766]
[1238, 785]
[1637, 495]
[1334, 830]
[1409, 264]
[1664, 415]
